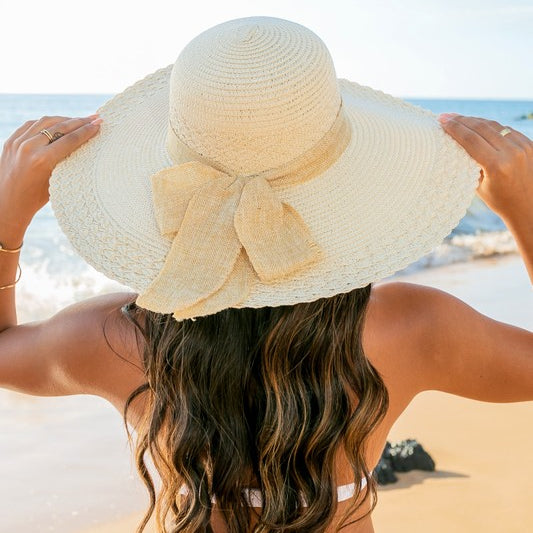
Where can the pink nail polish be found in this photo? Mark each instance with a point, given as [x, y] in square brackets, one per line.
[444, 117]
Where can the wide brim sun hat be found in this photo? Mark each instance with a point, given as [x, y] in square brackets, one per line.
[247, 175]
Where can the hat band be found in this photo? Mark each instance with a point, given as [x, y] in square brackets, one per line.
[311, 163]
[229, 231]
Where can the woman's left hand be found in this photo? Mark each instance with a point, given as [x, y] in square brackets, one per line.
[28, 159]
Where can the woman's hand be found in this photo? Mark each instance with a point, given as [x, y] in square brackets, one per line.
[506, 181]
[27, 161]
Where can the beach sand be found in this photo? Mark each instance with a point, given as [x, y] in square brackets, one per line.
[483, 482]
[484, 472]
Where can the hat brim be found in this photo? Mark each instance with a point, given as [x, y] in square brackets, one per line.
[395, 193]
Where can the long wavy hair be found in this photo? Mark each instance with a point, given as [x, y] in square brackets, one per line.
[265, 394]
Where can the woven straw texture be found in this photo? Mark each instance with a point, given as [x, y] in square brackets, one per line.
[251, 95]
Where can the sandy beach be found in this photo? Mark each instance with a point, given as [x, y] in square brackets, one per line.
[68, 468]
[483, 478]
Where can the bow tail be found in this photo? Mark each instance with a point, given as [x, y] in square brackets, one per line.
[203, 254]
[234, 291]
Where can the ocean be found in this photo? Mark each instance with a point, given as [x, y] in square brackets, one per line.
[54, 275]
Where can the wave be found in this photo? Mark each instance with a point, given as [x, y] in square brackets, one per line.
[466, 247]
[49, 283]
[43, 292]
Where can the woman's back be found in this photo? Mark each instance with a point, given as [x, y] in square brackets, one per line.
[399, 333]
[388, 348]
[419, 338]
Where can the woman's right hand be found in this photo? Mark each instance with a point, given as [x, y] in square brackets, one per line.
[28, 159]
[506, 181]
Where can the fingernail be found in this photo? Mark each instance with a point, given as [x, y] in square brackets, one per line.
[97, 121]
[92, 117]
[444, 117]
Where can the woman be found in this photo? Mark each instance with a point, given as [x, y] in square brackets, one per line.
[226, 392]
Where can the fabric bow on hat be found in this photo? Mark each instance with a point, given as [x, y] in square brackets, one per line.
[227, 232]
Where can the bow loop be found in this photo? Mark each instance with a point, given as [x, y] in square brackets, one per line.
[276, 239]
[172, 189]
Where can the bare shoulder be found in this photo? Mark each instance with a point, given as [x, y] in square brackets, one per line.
[87, 348]
[108, 362]
[395, 331]
[397, 318]
[422, 338]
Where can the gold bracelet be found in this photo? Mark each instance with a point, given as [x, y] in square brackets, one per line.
[14, 251]
[16, 281]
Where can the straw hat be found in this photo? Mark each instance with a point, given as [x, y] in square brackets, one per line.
[247, 175]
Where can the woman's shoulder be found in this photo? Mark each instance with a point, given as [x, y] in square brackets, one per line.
[398, 308]
[108, 360]
[408, 295]
[422, 338]
[397, 323]
[403, 327]
[86, 348]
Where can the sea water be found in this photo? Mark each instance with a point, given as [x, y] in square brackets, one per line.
[54, 275]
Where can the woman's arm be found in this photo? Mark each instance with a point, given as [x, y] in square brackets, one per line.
[26, 164]
[522, 229]
[421, 338]
[449, 346]
[86, 348]
[75, 351]
[11, 237]
[461, 351]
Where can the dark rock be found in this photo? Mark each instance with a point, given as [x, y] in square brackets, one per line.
[409, 455]
[403, 456]
[384, 472]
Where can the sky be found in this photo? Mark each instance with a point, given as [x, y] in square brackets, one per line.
[408, 48]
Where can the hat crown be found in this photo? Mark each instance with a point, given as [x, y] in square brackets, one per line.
[253, 94]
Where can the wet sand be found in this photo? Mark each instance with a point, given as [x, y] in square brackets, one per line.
[69, 470]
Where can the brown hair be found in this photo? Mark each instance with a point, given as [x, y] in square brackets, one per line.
[262, 393]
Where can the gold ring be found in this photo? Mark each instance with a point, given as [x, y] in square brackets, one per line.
[48, 134]
[505, 131]
[51, 138]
